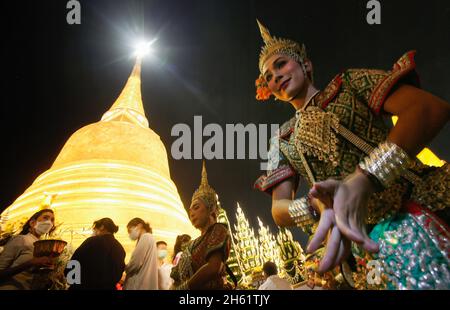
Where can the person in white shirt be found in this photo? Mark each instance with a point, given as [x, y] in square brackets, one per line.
[164, 279]
[142, 269]
[273, 281]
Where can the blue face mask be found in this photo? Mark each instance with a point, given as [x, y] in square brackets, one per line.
[162, 254]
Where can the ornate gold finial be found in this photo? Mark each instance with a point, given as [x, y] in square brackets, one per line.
[205, 192]
[128, 107]
[204, 181]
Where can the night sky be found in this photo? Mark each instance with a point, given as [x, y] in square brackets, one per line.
[58, 78]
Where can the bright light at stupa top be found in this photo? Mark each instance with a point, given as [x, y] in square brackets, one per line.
[143, 48]
[116, 168]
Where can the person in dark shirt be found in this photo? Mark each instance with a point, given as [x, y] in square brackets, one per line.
[101, 258]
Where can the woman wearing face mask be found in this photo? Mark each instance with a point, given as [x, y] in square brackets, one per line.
[142, 269]
[17, 261]
[361, 171]
[164, 279]
[101, 258]
[202, 264]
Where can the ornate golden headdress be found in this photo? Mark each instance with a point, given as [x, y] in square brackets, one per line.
[272, 46]
[205, 192]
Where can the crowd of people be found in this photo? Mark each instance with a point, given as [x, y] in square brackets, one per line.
[101, 257]
[195, 264]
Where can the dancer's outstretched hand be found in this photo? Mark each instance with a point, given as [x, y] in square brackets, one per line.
[345, 208]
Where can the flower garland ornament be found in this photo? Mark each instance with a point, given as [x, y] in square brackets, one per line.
[262, 90]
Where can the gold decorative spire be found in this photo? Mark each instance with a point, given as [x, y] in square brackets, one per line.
[128, 107]
[204, 181]
[247, 247]
[205, 192]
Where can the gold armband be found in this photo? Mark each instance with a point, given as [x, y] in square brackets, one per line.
[300, 212]
[386, 163]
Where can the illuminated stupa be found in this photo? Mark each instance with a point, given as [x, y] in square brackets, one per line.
[115, 168]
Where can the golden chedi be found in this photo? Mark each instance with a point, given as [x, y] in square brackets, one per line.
[115, 168]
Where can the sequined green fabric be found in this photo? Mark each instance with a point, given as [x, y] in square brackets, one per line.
[414, 253]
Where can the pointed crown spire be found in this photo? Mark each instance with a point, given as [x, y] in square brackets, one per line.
[205, 192]
[128, 107]
[265, 34]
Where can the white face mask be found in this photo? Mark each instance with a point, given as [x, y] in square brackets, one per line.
[43, 227]
[134, 234]
[162, 254]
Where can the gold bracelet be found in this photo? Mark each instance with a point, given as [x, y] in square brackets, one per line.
[386, 163]
[300, 213]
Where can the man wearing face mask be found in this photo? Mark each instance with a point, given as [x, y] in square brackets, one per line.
[17, 260]
[164, 279]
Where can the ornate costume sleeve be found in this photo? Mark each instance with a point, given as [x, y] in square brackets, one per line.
[175, 275]
[372, 87]
[218, 240]
[278, 168]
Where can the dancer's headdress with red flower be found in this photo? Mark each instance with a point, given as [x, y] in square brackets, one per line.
[272, 46]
